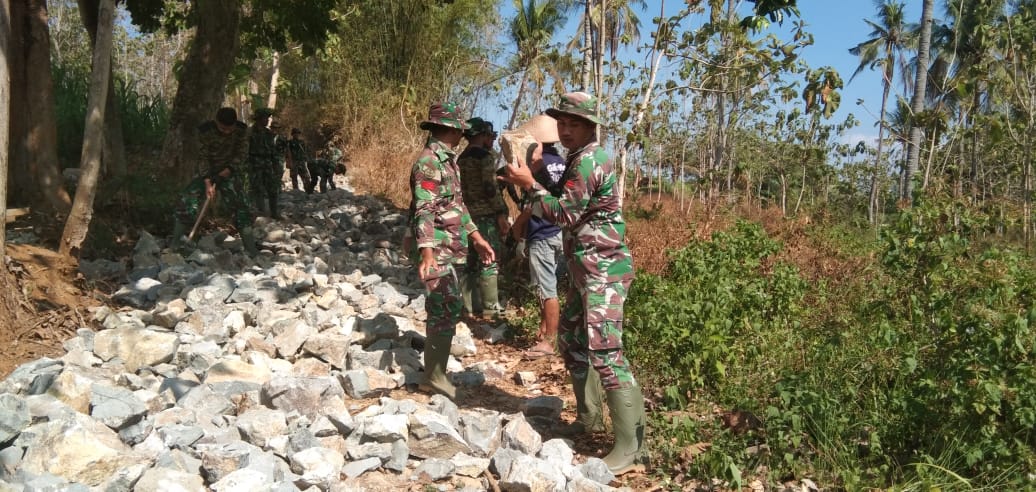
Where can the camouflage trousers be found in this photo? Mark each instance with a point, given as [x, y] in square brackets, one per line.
[231, 199]
[590, 333]
[443, 301]
[300, 170]
[265, 184]
[491, 233]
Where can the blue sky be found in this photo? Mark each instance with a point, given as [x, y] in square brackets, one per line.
[836, 25]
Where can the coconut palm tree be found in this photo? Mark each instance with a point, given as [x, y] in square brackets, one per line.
[889, 37]
[532, 29]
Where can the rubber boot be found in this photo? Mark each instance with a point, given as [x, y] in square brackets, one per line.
[436, 355]
[487, 286]
[178, 239]
[467, 288]
[248, 241]
[589, 405]
[626, 407]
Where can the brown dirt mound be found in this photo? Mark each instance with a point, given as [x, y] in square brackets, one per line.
[40, 305]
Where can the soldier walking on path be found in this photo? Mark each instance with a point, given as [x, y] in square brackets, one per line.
[298, 161]
[223, 145]
[489, 212]
[264, 163]
[441, 228]
[601, 270]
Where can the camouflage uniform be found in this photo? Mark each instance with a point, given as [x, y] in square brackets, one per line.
[441, 222]
[218, 152]
[599, 264]
[265, 167]
[485, 203]
[323, 169]
[300, 164]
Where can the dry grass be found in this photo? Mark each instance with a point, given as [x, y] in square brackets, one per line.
[382, 168]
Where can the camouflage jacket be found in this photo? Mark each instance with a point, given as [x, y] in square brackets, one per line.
[263, 148]
[588, 210]
[299, 151]
[478, 182]
[440, 220]
[219, 151]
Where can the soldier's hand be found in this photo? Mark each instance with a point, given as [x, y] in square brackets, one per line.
[210, 188]
[427, 266]
[484, 250]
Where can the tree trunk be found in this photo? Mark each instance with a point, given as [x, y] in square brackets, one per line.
[641, 108]
[881, 140]
[78, 223]
[917, 102]
[588, 40]
[518, 98]
[275, 75]
[34, 134]
[202, 83]
[114, 143]
[5, 116]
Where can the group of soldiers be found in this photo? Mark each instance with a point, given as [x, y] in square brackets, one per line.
[458, 218]
[245, 166]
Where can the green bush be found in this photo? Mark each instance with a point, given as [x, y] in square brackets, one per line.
[708, 321]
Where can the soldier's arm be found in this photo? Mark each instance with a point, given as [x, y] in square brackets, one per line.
[569, 206]
[425, 181]
[489, 185]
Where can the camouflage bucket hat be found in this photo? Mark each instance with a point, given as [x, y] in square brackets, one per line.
[579, 104]
[478, 126]
[262, 113]
[444, 114]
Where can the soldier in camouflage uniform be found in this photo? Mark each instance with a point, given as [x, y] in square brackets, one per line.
[264, 164]
[298, 161]
[489, 212]
[223, 147]
[323, 168]
[441, 229]
[601, 269]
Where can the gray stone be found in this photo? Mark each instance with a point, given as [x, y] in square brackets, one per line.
[234, 370]
[115, 407]
[180, 436]
[101, 269]
[597, 470]
[259, 425]
[306, 396]
[528, 473]
[400, 453]
[136, 432]
[219, 460]
[481, 429]
[79, 449]
[386, 428]
[557, 453]
[136, 347]
[435, 469]
[328, 347]
[198, 298]
[356, 468]
[519, 435]
[175, 459]
[543, 406]
[169, 480]
[204, 401]
[382, 326]
[432, 436]
[141, 293]
[14, 417]
[380, 450]
[31, 378]
[291, 337]
[470, 466]
[319, 466]
[502, 460]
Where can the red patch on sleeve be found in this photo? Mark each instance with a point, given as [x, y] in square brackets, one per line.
[428, 185]
[570, 183]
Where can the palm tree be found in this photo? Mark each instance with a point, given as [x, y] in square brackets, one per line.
[532, 28]
[889, 37]
[917, 102]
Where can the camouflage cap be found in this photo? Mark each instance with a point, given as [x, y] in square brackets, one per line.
[479, 126]
[262, 113]
[443, 114]
[579, 104]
